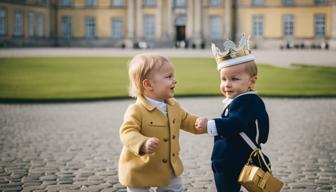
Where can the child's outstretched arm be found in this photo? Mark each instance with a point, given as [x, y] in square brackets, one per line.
[188, 121]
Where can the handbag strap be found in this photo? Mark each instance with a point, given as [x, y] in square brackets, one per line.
[248, 141]
[254, 147]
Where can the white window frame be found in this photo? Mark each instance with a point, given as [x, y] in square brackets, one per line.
[90, 27]
[3, 22]
[216, 29]
[319, 25]
[288, 25]
[18, 23]
[258, 25]
[66, 26]
[117, 27]
[149, 26]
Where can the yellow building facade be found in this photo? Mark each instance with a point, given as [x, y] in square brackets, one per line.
[291, 23]
[24, 23]
[167, 23]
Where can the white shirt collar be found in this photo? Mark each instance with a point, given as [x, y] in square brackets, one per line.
[227, 100]
[162, 106]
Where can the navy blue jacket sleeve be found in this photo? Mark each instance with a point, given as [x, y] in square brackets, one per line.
[241, 112]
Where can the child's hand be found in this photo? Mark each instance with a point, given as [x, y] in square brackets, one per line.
[151, 145]
[201, 124]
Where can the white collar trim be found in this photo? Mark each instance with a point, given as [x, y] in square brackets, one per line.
[156, 103]
[226, 100]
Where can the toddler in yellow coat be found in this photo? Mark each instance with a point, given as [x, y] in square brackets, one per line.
[150, 130]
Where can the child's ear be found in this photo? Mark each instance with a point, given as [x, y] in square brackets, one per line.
[147, 85]
[254, 79]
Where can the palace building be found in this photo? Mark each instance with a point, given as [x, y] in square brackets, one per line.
[272, 24]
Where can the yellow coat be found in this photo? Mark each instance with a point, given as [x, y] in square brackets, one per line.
[141, 121]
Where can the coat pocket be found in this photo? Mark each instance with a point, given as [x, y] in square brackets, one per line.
[156, 124]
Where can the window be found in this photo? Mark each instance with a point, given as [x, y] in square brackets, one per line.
[90, 3]
[288, 2]
[117, 28]
[288, 24]
[320, 25]
[31, 24]
[215, 27]
[257, 2]
[90, 27]
[180, 3]
[320, 2]
[117, 3]
[42, 2]
[149, 26]
[40, 25]
[149, 3]
[215, 3]
[18, 23]
[3, 22]
[66, 26]
[66, 3]
[258, 25]
[181, 20]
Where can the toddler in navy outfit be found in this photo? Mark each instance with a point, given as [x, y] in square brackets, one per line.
[244, 111]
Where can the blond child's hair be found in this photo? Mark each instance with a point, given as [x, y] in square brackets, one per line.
[140, 68]
[251, 68]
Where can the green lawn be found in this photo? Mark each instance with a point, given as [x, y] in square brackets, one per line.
[92, 78]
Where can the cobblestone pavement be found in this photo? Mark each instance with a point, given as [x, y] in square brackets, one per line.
[75, 146]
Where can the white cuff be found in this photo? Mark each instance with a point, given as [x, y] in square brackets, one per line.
[212, 130]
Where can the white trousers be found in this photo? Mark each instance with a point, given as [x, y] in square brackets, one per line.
[175, 185]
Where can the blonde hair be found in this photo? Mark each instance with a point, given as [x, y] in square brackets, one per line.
[140, 68]
[251, 68]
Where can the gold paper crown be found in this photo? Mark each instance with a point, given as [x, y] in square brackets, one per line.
[232, 55]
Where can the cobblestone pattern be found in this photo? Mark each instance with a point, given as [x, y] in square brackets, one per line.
[75, 146]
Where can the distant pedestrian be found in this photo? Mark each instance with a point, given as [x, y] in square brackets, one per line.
[150, 130]
[244, 111]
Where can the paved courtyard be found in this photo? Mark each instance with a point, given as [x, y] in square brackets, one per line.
[75, 146]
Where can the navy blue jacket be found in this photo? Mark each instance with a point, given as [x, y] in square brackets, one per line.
[230, 152]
